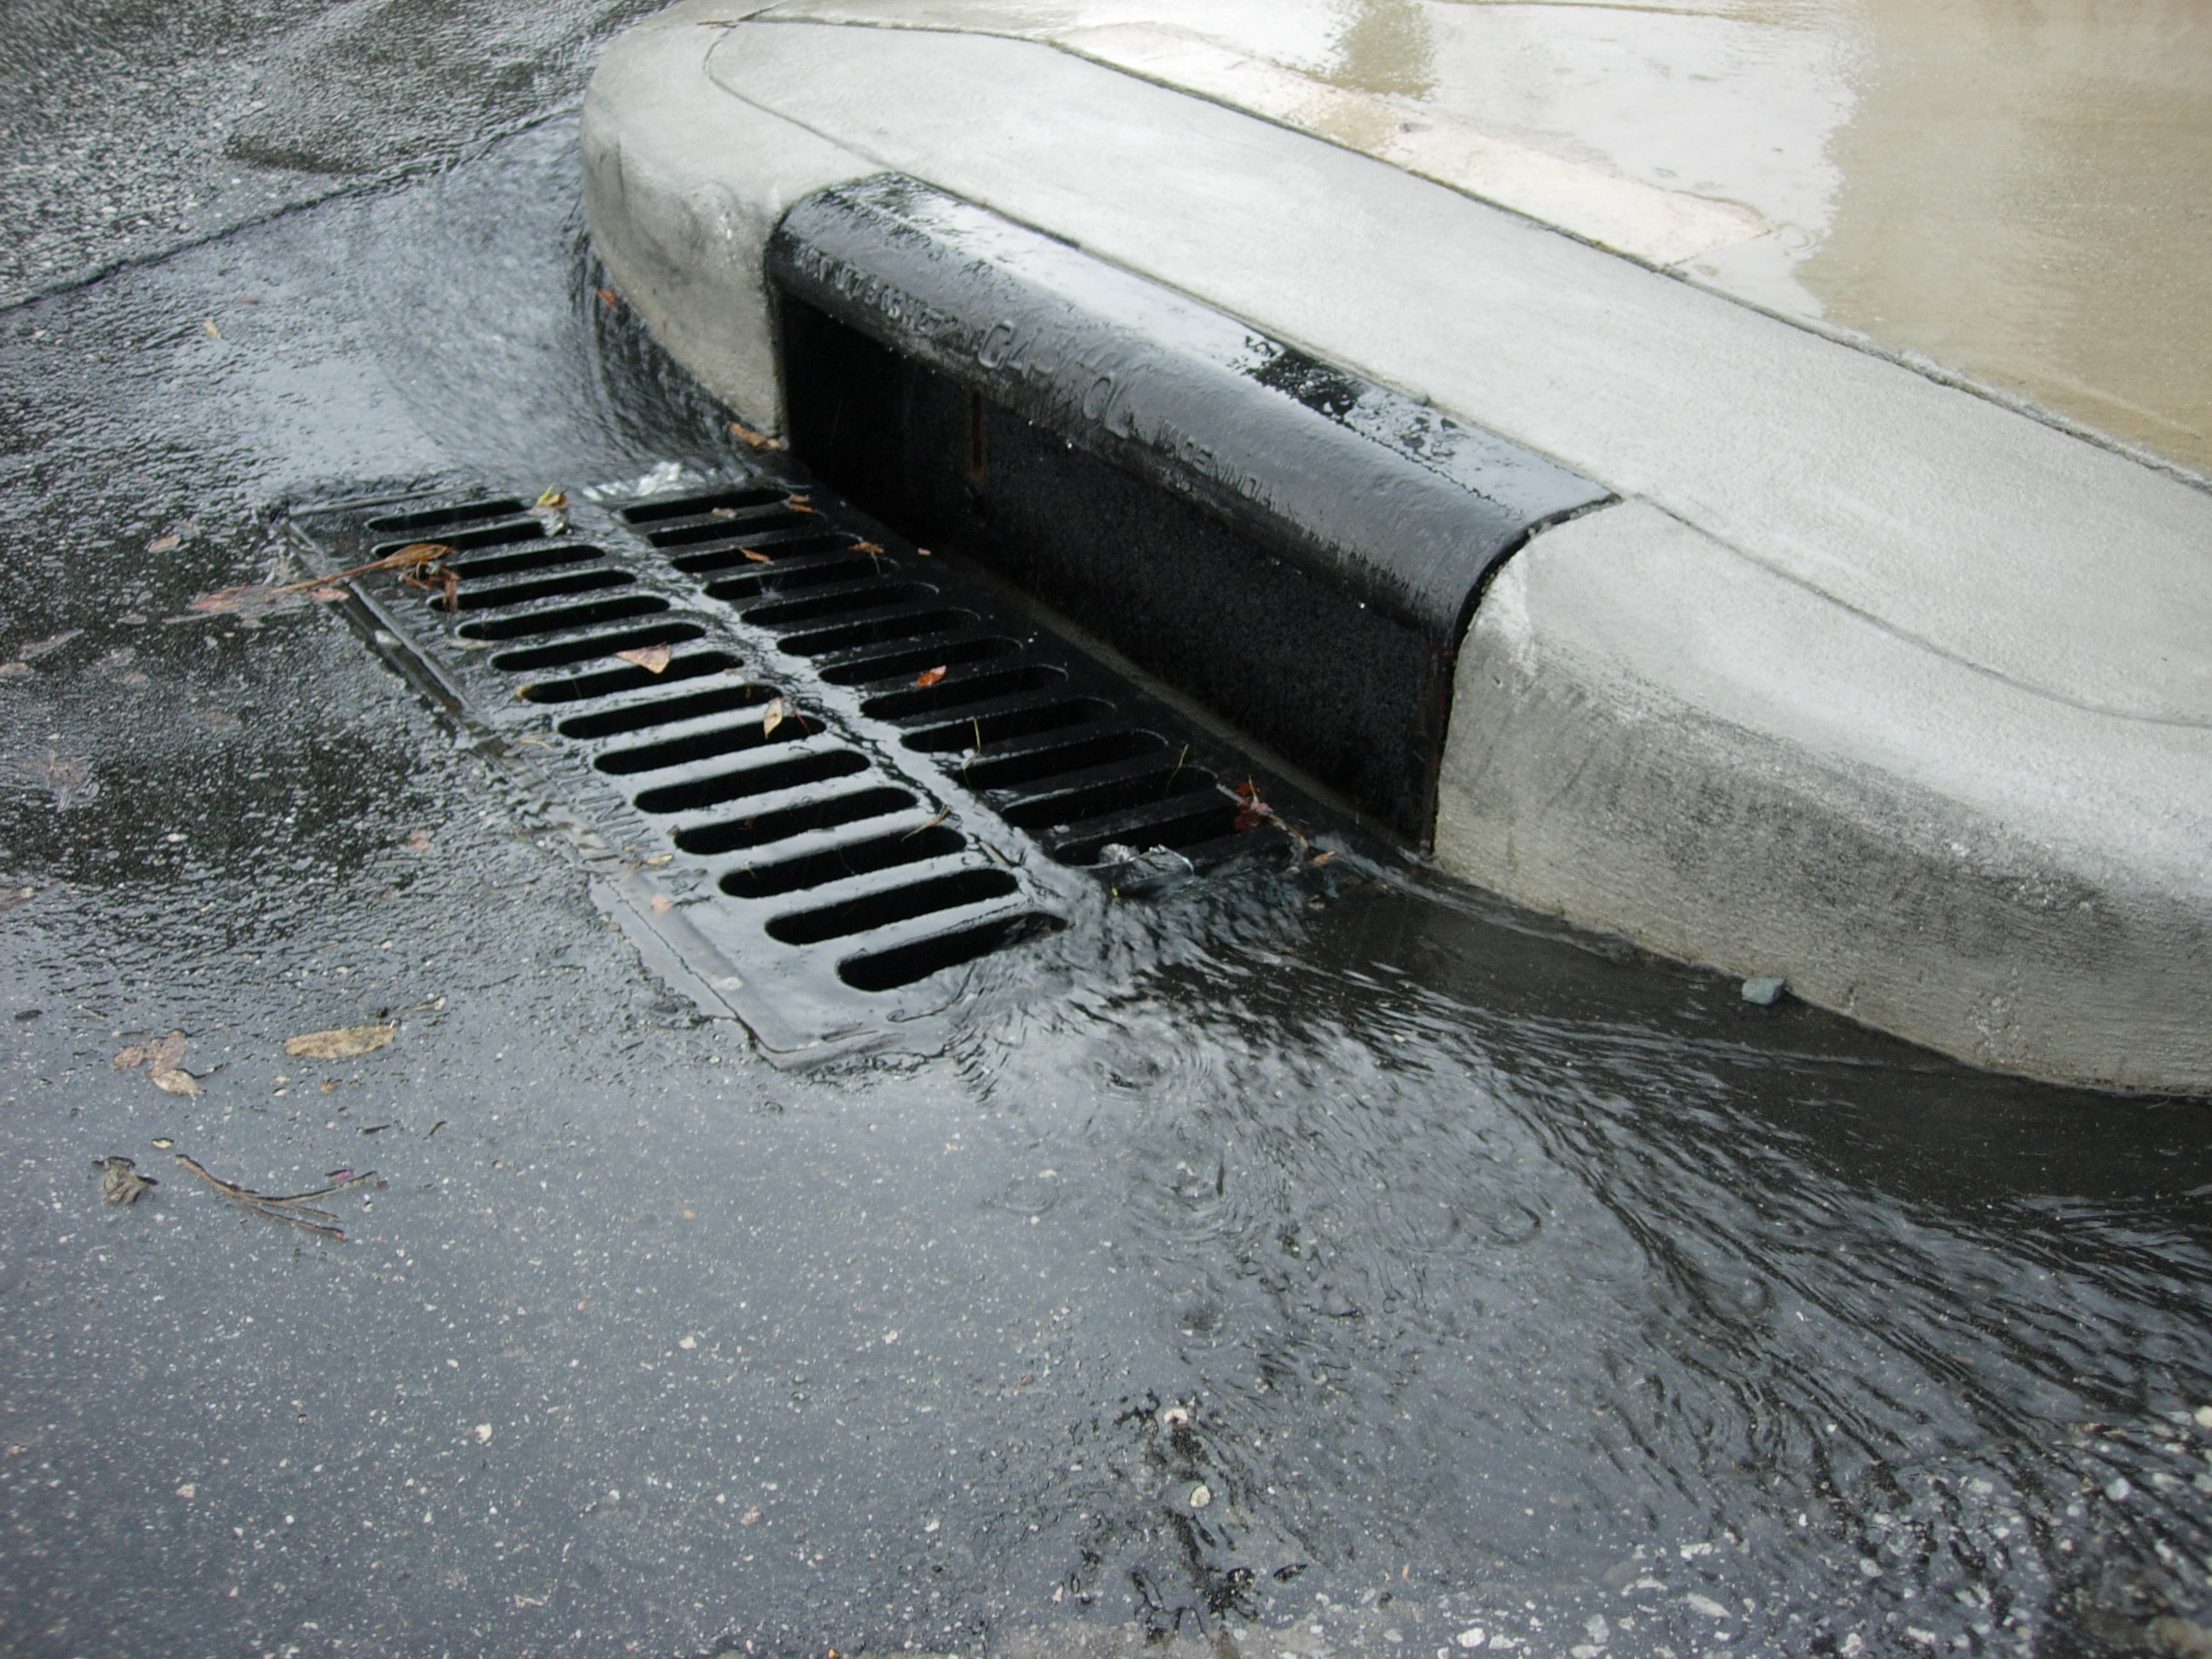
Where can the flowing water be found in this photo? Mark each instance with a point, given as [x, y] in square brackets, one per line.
[1375, 1269]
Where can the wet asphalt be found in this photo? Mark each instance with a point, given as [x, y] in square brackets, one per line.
[1504, 1291]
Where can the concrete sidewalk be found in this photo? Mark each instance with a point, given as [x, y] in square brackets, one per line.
[1870, 683]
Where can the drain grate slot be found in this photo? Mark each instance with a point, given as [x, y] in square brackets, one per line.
[666, 711]
[906, 964]
[838, 863]
[764, 828]
[582, 686]
[729, 528]
[599, 644]
[865, 769]
[513, 564]
[495, 535]
[700, 793]
[568, 617]
[889, 905]
[437, 517]
[1077, 751]
[479, 598]
[945, 650]
[707, 506]
[704, 745]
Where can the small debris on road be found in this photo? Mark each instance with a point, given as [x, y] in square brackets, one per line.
[551, 509]
[342, 1043]
[746, 435]
[1765, 991]
[160, 1061]
[929, 676]
[773, 714]
[293, 1208]
[1200, 1496]
[653, 659]
[119, 1179]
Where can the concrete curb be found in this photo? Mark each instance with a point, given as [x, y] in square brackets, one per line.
[1870, 684]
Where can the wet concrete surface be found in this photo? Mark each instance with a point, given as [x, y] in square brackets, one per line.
[1487, 1279]
[2010, 190]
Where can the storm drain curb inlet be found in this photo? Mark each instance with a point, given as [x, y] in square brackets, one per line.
[1293, 546]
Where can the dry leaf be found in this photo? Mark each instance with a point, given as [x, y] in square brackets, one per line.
[653, 659]
[756, 439]
[164, 543]
[608, 297]
[865, 547]
[418, 843]
[756, 557]
[797, 503]
[773, 714]
[1252, 812]
[174, 1080]
[929, 676]
[213, 333]
[119, 1179]
[662, 904]
[343, 1043]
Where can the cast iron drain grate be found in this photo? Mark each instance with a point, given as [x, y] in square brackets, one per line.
[838, 769]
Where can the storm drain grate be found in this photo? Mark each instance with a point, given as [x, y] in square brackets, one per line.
[839, 768]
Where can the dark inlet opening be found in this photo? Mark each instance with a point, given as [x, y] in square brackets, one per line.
[666, 711]
[599, 644]
[436, 518]
[765, 826]
[886, 970]
[578, 688]
[855, 858]
[892, 904]
[690, 507]
[701, 793]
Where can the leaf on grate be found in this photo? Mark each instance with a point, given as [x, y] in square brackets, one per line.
[1252, 812]
[551, 509]
[746, 435]
[773, 715]
[929, 676]
[797, 503]
[756, 556]
[653, 659]
[341, 1042]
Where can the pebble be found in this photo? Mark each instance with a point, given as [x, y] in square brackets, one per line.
[1765, 991]
[1200, 1496]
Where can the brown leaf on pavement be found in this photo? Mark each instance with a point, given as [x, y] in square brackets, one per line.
[164, 543]
[174, 1080]
[166, 1052]
[341, 1042]
[653, 659]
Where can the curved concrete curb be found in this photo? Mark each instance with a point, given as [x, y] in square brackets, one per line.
[1870, 683]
